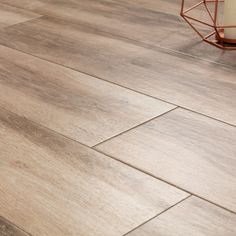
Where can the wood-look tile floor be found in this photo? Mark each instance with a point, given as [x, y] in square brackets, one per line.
[11, 15]
[114, 120]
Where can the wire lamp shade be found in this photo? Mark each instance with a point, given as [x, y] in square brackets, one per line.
[213, 22]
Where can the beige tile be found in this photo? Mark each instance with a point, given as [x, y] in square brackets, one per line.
[51, 185]
[197, 85]
[81, 107]
[190, 151]
[154, 22]
[193, 217]
[10, 15]
[8, 229]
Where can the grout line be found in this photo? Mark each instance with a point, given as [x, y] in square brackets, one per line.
[210, 117]
[24, 10]
[134, 127]
[13, 224]
[19, 23]
[149, 46]
[136, 42]
[116, 159]
[86, 73]
[119, 85]
[157, 47]
[165, 181]
[179, 202]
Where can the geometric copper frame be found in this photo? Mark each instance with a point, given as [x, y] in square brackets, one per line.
[216, 35]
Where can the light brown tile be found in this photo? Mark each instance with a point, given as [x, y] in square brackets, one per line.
[84, 108]
[48, 7]
[193, 217]
[8, 229]
[188, 150]
[11, 15]
[197, 85]
[155, 22]
[51, 185]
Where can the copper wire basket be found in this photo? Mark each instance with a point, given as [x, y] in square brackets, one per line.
[215, 35]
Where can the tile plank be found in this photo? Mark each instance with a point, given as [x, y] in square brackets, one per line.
[48, 7]
[10, 15]
[8, 229]
[193, 217]
[155, 22]
[51, 185]
[188, 150]
[79, 106]
[197, 85]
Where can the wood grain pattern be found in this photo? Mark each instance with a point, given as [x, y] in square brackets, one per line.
[8, 229]
[201, 86]
[191, 151]
[66, 9]
[79, 106]
[193, 217]
[11, 15]
[51, 185]
[155, 22]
